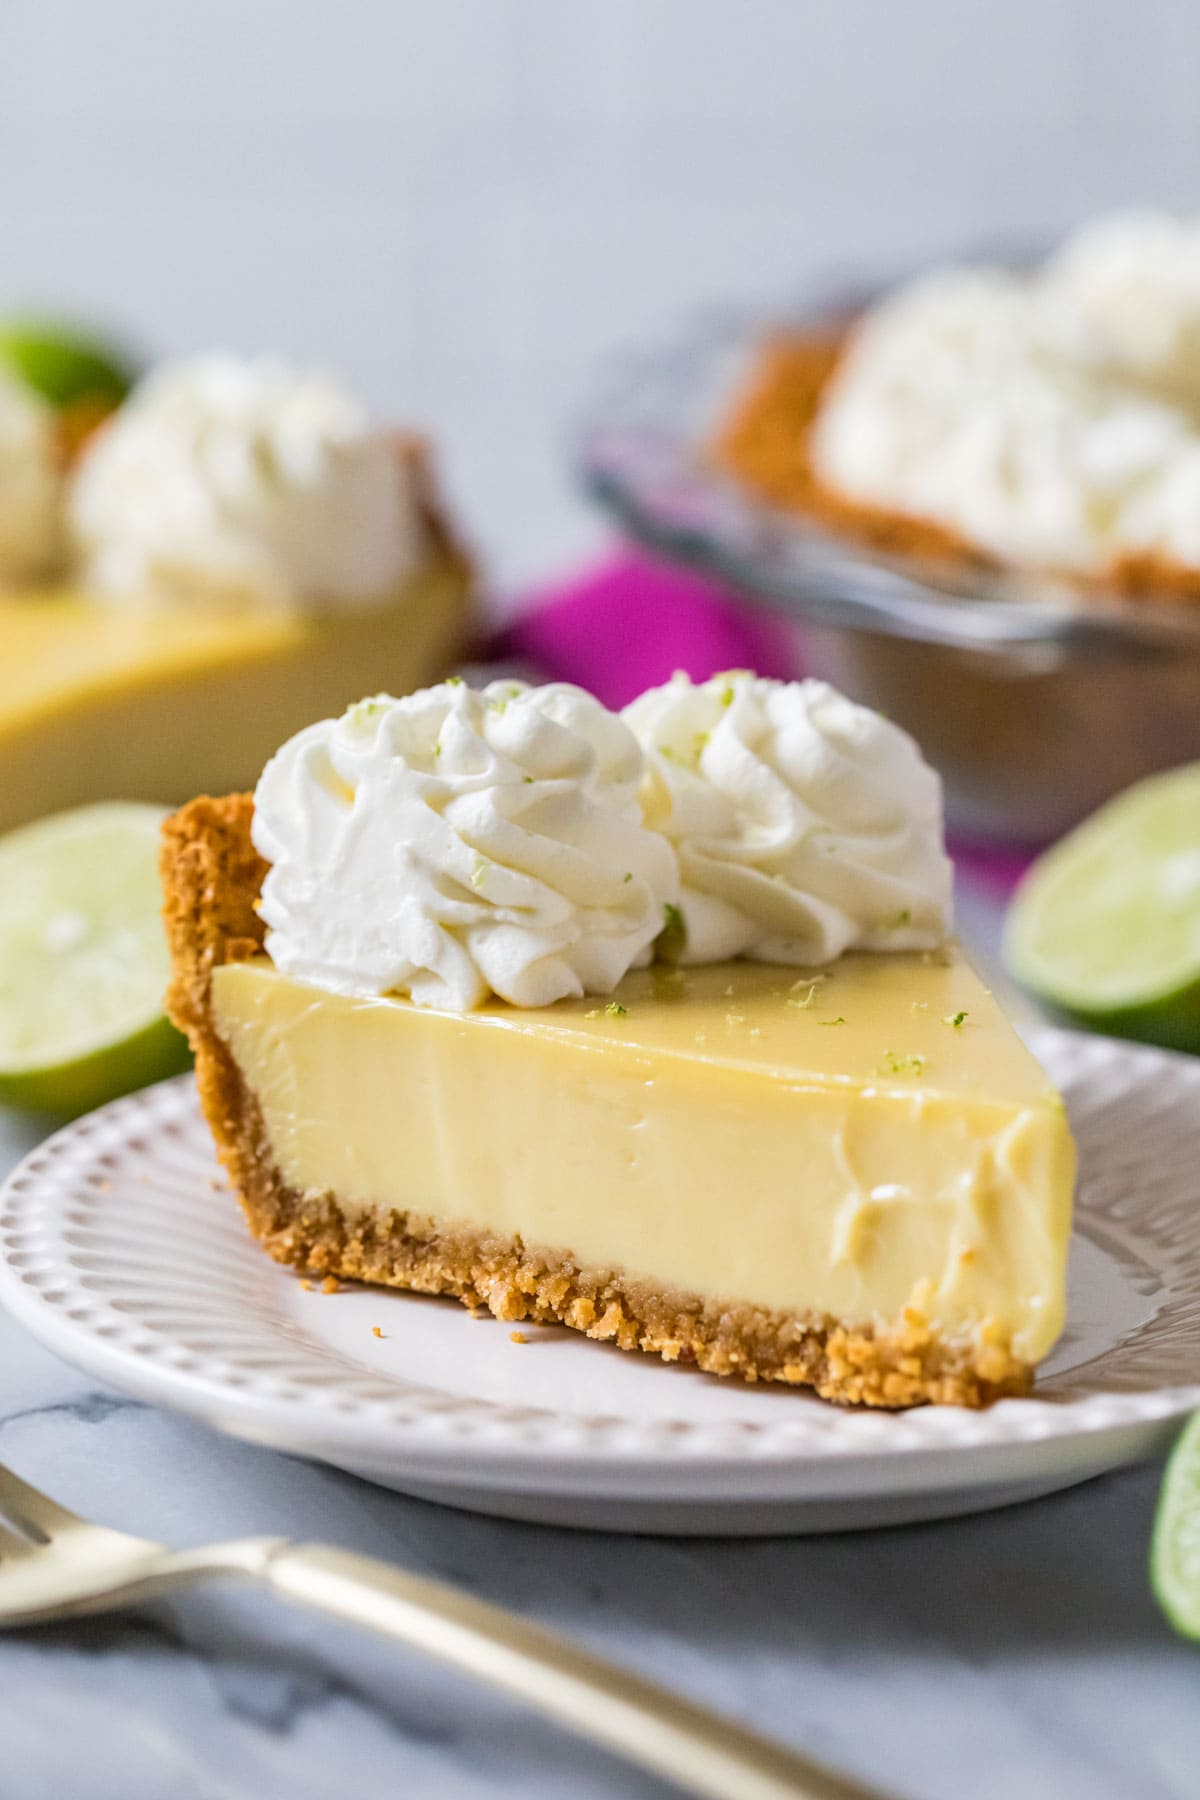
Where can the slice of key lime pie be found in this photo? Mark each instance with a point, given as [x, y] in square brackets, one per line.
[239, 548]
[650, 1025]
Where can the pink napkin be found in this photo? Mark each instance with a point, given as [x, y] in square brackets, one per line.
[631, 622]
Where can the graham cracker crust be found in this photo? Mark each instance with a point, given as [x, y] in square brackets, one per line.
[211, 879]
[766, 443]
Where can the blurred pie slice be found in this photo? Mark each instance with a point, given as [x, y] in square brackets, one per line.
[154, 703]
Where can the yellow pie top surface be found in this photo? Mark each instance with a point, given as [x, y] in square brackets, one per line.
[102, 702]
[59, 644]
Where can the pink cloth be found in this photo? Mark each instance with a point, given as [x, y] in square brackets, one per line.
[631, 622]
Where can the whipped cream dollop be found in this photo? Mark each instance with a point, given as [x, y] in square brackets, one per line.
[457, 844]
[244, 481]
[804, 825]
[1130, 284]
[30, 482]
[1052, 419]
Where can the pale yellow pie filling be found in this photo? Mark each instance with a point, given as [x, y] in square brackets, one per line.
[852, 1146]
[99, 702]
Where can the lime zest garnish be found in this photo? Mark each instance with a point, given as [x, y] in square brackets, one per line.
[363, 711]
[671, 939]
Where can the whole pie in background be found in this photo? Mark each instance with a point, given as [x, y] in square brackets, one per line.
[1043, 419]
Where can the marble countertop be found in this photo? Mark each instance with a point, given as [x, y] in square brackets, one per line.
[1013, 1654]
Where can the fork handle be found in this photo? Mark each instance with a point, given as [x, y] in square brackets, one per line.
[646, 1724]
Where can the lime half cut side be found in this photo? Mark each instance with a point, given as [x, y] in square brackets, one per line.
[1105, 928]
[83, 960]
[1175, 1549]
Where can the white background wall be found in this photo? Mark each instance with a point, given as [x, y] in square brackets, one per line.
[465, 203]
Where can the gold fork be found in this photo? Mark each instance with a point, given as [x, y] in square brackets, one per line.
[55, 1565]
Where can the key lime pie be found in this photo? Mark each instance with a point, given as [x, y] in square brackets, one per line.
[647, 1024]
[245, 549]
[1045, 419]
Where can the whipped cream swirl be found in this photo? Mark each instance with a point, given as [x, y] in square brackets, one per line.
[804, 825]
[457, 844]
[30, 482]
[240, 482]
[1051, 419]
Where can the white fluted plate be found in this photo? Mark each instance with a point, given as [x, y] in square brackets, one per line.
[122, 1250]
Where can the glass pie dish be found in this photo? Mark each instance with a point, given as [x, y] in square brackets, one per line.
[1037, 698]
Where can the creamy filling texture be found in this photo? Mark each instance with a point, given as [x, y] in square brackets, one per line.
[740, 1143]
[1051, 418]
[243, 482]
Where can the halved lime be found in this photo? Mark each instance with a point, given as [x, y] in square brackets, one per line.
[83, 960]
[1175, 1548]
[64, 364]
[1105, 928]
